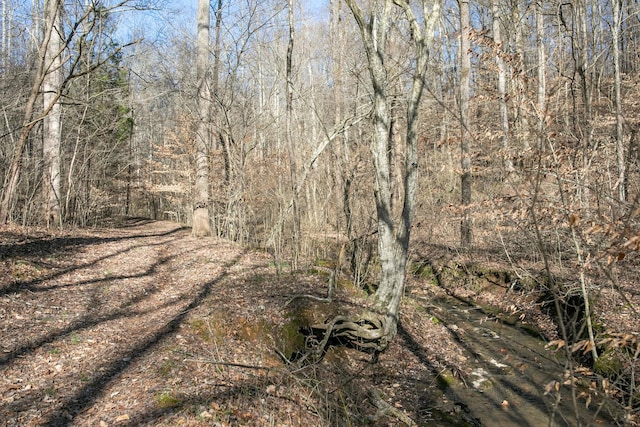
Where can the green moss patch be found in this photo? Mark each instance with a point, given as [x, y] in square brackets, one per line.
[166, 400]
[302, 315]
[609, 363]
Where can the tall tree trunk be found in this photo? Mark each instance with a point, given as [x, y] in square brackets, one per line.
[585, 128]
[216, 50]
[393, 233]
[465, 141]
[6, 43]
[201, 220]
[502, 86]
[52, 135]
[542, 82]
[28, 122]
[290, 147]
[521, 130]
[620, 152]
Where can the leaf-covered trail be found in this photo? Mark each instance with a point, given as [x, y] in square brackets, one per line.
[82, 318]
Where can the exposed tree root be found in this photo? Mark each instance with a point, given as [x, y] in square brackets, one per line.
[367, 332]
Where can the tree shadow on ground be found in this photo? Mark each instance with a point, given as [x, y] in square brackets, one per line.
[87, 395]
[431, 403]
[37, 250]
[504, 382]
[136, 305]
[90, 319]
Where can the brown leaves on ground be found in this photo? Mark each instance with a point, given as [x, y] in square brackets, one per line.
[110, 326]
[147, 325]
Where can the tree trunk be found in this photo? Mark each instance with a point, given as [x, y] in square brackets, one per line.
[52, 135]
[465, 142]
[201, 220]
[375, 330]
[290, 146]
[542, 82]
[502, 86]
[620, 156]
[585, 128]
[6, 43]
[27, 125]
[519, 13]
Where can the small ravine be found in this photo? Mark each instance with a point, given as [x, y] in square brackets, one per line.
[506, 374]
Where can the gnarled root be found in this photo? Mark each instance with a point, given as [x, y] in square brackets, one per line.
[368, 332]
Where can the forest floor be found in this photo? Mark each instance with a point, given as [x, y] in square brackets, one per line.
[142, 324]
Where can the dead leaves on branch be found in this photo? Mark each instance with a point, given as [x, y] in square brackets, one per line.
[611, 375]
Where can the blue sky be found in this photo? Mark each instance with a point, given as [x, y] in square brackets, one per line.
[313, 5]
[181, 15]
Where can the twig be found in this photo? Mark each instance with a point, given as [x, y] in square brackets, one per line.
[332, 282]
[309, 296]
[384, 408]
[236, 365]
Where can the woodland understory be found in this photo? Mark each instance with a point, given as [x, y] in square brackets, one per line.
[140, 323]
[259, 212]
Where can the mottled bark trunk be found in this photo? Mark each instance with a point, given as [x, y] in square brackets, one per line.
[393, 233]
[502, 86]
[201, 220]
[465, 141]
[52, 134]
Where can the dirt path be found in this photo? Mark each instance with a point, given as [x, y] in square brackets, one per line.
[82, 318]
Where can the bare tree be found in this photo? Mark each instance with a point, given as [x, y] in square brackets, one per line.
[584, 71]
[52, 138]
[6, 40]
[620, 152]
[541, 66]
[502, 84]
[465, 141]
[49, 61]
[28, 122]
[290, 145]
[201, 221]
[374, 330]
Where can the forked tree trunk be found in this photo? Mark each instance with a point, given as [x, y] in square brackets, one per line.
[375, 330]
